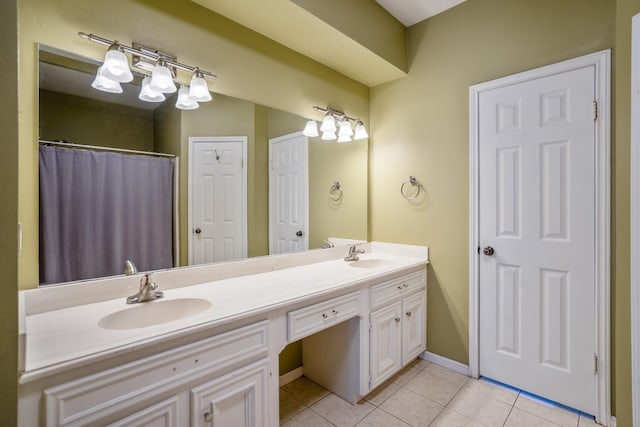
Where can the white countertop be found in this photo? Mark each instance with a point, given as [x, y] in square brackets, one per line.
[60, 338]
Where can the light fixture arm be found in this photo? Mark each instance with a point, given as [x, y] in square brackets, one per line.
[149, 55]
[336, 113]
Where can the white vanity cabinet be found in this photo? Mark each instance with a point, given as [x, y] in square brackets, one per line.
[397, 325]
[205, 383]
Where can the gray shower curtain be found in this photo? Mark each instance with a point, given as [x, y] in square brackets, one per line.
[98, 209]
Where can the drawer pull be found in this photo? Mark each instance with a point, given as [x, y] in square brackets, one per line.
[408, 313]
[324, 315]
[397, 319]
[208, 417]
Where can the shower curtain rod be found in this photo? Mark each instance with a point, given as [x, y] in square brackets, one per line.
[95, 147]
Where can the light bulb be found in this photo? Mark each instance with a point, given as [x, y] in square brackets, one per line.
[344, 138]
[328, 123]
[328, 136]
[345, 128]
[361, 131]
[104, 84]
[311, 128]
[116, 66]
[149, 95]
[185, 102]
[162, 80]
[198, 89]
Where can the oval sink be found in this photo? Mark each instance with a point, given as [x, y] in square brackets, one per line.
[369, 263]
[153, 313]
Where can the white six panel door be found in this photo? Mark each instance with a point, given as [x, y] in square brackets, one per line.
[288, 194]
[537, 213]
[218, 201]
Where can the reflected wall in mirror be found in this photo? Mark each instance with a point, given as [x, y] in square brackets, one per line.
[71, 110]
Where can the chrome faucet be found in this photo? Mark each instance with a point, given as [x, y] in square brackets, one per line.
[148, 288]
[147, 291]
[353, 254]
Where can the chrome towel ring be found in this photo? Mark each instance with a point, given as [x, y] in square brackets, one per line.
[335, 192]
[413, 182]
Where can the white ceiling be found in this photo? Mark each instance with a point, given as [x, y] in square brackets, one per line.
[411, 12]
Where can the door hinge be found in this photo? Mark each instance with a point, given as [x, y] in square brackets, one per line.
[595, 110]
[595, 363]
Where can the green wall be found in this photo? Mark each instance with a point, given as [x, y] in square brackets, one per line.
[9, 212]
[620, 215]
[421, 127]
[88, 121]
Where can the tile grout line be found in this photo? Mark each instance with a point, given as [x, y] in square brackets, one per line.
[513, 405]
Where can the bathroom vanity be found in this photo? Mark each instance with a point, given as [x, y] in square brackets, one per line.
[207, 353]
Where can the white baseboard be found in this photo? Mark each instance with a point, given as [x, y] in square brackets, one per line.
[291, 376]
[612, 421]
[446, 363]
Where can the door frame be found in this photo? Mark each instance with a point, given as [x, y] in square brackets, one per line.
[198, 139]
[601, 61]
[305, 149]
[635, 219]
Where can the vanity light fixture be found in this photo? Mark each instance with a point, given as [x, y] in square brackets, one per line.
[115, 70]
[328, 127]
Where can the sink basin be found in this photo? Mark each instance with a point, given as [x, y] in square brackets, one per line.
[369, 263]
[153, 313]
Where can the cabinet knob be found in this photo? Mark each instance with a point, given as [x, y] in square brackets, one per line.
[397, 319]
[208, 417]
[324, 315]
[335, 312]
[408, 313]
[404, 285]
[399, 287]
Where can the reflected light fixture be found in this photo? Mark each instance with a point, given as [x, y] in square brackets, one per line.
[104, 84]
[185, 102]
[328, 127]
[148, 94]
[311, 128]
[361, 131]
[116, 70]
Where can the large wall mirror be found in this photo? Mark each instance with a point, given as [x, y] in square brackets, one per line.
[217, 189]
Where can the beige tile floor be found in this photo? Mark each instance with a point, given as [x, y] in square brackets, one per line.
[423, 394]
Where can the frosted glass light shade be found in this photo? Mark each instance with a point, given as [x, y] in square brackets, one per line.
[199, 90]
[104, 84]
[149, 95]
[344, 138]
[311, 128]
[345, 129]
[328, 124]
[116, 67]
[162, 80]
[361, 131]
[185, 102]
[328, 136]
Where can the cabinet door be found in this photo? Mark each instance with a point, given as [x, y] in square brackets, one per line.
[163, 414]
[414, 326]
[385, 343]
[236, 399]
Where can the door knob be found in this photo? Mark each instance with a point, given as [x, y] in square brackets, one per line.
[488, 251]
[197, 231]
[299, 233]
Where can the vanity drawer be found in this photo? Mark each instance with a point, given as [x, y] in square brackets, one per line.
[314, 318]
[393, 289]
[95, 398]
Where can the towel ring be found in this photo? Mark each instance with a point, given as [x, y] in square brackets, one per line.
[414, 183]
[335, 192]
